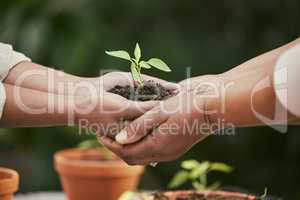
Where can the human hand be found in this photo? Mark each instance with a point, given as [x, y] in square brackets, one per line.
[107, 112]
[165, 132]
[244, 90]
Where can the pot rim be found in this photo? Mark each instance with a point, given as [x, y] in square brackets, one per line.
[61, 156]
[9, 184]
[74, 166]
[213, 193]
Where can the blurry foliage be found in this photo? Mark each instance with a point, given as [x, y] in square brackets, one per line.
[90, 144]
[208, 36]
[196, 173]
[94, 144]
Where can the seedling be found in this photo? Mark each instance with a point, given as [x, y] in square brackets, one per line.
[90, 144]
[264, 196]
[135, 196]
[136, 63]
[196, 173]
[94, 144]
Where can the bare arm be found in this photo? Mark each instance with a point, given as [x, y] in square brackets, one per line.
[30, 108]
[250, 93]
[37, 77]
[39, 96]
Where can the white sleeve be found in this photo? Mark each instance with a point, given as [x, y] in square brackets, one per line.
[287, 80]
[8, 59]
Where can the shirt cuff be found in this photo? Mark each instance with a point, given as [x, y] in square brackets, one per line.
[8, 59]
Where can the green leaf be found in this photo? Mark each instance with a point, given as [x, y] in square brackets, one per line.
[145, 65]
[215, 186]
[137, 52]
[159, 64]
[119, 54]
[203, 178]
[179, 179]
[199, 170]
[221, 167]
[264, 196]
[89, 144]
[198, 186]
[135, 74]
[189, 164]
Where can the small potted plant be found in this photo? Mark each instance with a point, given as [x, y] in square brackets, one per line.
[142, 91]
[92, 172]
[9, 183]
[195, 173]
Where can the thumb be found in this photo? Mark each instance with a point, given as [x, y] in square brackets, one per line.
[140, 127]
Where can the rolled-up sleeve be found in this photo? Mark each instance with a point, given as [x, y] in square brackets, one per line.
[8, 59]
[287, 80]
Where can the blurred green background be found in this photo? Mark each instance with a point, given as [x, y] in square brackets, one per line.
[209, 36]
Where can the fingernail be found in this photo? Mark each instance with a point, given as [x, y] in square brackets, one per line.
[122, 137]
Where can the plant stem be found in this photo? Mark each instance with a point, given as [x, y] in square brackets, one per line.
[203, 180]
[139, 71]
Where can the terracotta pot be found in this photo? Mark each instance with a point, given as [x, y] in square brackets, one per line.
[9, 183]
[85, 175]
[209, 195]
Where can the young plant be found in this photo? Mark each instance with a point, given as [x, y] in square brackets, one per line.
[196, 173]
[136, 63]
[264, 196]
[136, 196]
[90, 144]
[95, 144]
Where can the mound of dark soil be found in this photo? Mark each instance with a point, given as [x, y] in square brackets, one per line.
[150, 91]
[190, 195]
[193, 196]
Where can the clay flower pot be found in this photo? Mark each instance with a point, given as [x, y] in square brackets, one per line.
[210, 195]
[9, 183]
[85, 174]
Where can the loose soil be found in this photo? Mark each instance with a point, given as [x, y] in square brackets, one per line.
[194, 196]
[150, 91]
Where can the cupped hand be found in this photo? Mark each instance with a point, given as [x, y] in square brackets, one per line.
[105, 112]
[165, 132]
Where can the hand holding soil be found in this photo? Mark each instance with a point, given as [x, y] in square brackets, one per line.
[162, 134]
[207, 104]
[109, 111]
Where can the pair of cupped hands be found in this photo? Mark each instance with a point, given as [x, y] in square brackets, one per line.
[150, 131]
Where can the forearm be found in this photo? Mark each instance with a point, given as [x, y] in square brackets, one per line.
[30, 108]
[248, 93]
[245, 95]
[33, 76]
